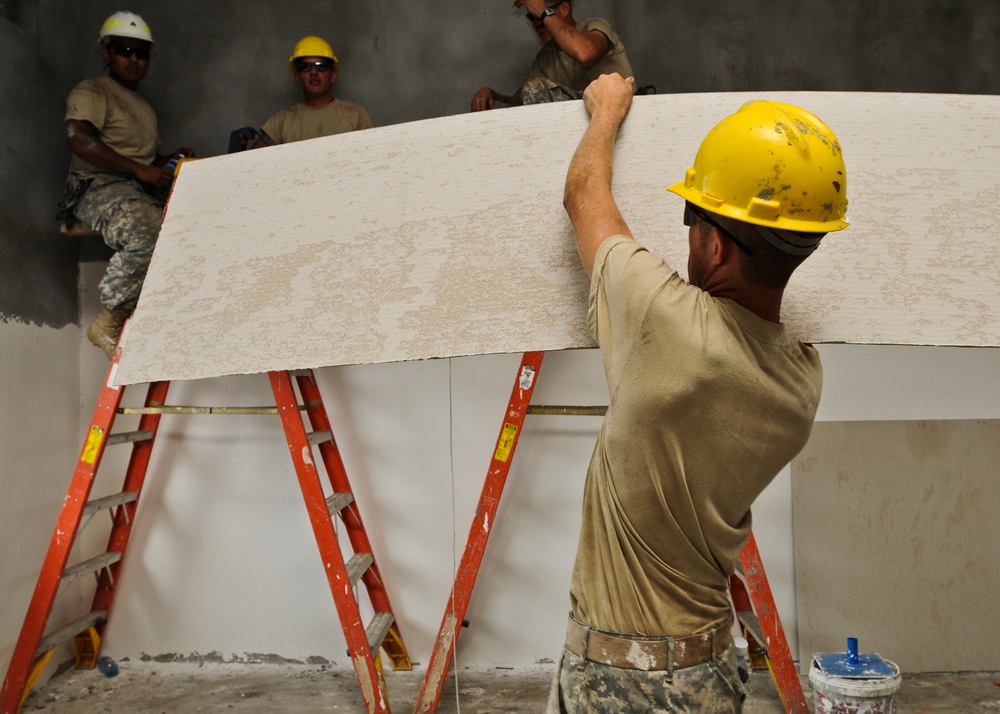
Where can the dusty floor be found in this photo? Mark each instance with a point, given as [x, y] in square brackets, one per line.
[152, 687]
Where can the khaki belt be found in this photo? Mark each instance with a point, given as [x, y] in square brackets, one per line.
[646, 653]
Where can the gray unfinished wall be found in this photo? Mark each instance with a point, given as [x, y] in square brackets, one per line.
[219, 66]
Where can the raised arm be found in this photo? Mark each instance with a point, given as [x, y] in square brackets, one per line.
[587, 48]
[587, 197]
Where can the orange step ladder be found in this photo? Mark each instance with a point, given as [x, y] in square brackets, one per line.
[768, 625]
[35, 646]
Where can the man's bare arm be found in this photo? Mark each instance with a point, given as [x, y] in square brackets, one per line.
[85, 141]
[587, 197]
[587, 48]
[486, 97]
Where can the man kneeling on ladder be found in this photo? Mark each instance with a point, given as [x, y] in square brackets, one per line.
[709, 400]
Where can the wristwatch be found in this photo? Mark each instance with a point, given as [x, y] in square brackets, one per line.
[547, 12]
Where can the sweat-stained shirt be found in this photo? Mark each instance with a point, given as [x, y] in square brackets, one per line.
[708, 402]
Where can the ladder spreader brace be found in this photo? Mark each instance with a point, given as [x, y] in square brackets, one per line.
[34, 648]
[765, 622]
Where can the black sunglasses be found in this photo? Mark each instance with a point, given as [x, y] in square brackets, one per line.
[303, 66]
[691, 212]
[125, 49]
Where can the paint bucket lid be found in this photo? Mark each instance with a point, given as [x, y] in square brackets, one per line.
[853, 664]
[866, 666]
[877, 687]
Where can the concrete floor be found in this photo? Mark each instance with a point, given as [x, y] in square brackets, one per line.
[158, 687]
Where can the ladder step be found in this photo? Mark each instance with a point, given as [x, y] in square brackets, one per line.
[319, 437]
[113, 501]
[377, 629]
[750, 621]
[338, 502]
[57, 637]
[358, 565]
[91, 566]
[129, 437]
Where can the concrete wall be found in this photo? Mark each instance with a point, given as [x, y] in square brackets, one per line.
[225, 561]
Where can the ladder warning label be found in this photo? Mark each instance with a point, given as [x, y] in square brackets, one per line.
[506, 443]
[93, 445]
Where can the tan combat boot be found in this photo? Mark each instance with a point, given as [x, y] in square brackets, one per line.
[107, 328]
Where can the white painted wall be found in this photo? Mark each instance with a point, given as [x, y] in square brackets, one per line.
[225, 561]
[39, 407]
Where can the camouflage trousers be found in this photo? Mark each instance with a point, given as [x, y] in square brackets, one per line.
[542, 91]
[583, 687]
[129, 219]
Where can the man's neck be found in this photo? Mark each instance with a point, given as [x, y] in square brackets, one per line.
[763, 302]
[132, 86]
[320, 101]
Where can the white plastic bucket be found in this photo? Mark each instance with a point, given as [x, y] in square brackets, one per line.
[846, 695]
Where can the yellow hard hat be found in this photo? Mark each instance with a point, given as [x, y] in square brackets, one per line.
[773, 165]
[312, 46]
[125, 24]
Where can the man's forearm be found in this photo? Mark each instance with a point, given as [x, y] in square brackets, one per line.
[587, 197]
[91, 149]
[586, 48]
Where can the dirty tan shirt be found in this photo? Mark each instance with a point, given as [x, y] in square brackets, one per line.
[126, 122]
[554, 64]
[301, 121]
[708, 402]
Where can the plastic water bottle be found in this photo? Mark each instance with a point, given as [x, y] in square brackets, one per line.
[742, 658]
[172, 164]
[108, 667]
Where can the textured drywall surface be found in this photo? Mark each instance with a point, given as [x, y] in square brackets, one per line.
[447, 237]
[896, 542]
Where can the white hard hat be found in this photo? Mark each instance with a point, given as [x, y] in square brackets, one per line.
[125, 24]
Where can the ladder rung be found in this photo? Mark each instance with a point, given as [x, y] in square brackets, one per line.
[319, 437]
[358, 565]
[57, 637]
[189, 410]
[113, 501]
[377, 629]
[566, 410]
[750, 621]
[91, 566]
[338, 502]
[128, 437]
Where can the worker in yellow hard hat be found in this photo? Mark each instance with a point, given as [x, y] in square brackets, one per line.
[314, 67]
[710, 398]
[117, 178]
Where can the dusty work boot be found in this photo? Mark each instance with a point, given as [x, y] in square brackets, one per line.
[106, 329]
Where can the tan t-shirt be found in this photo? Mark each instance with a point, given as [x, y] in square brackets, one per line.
[301, 121]
[125, 121]
[708, 402]
[554, 64]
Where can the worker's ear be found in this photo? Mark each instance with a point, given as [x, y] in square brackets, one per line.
[717, 249]
[333, 78]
